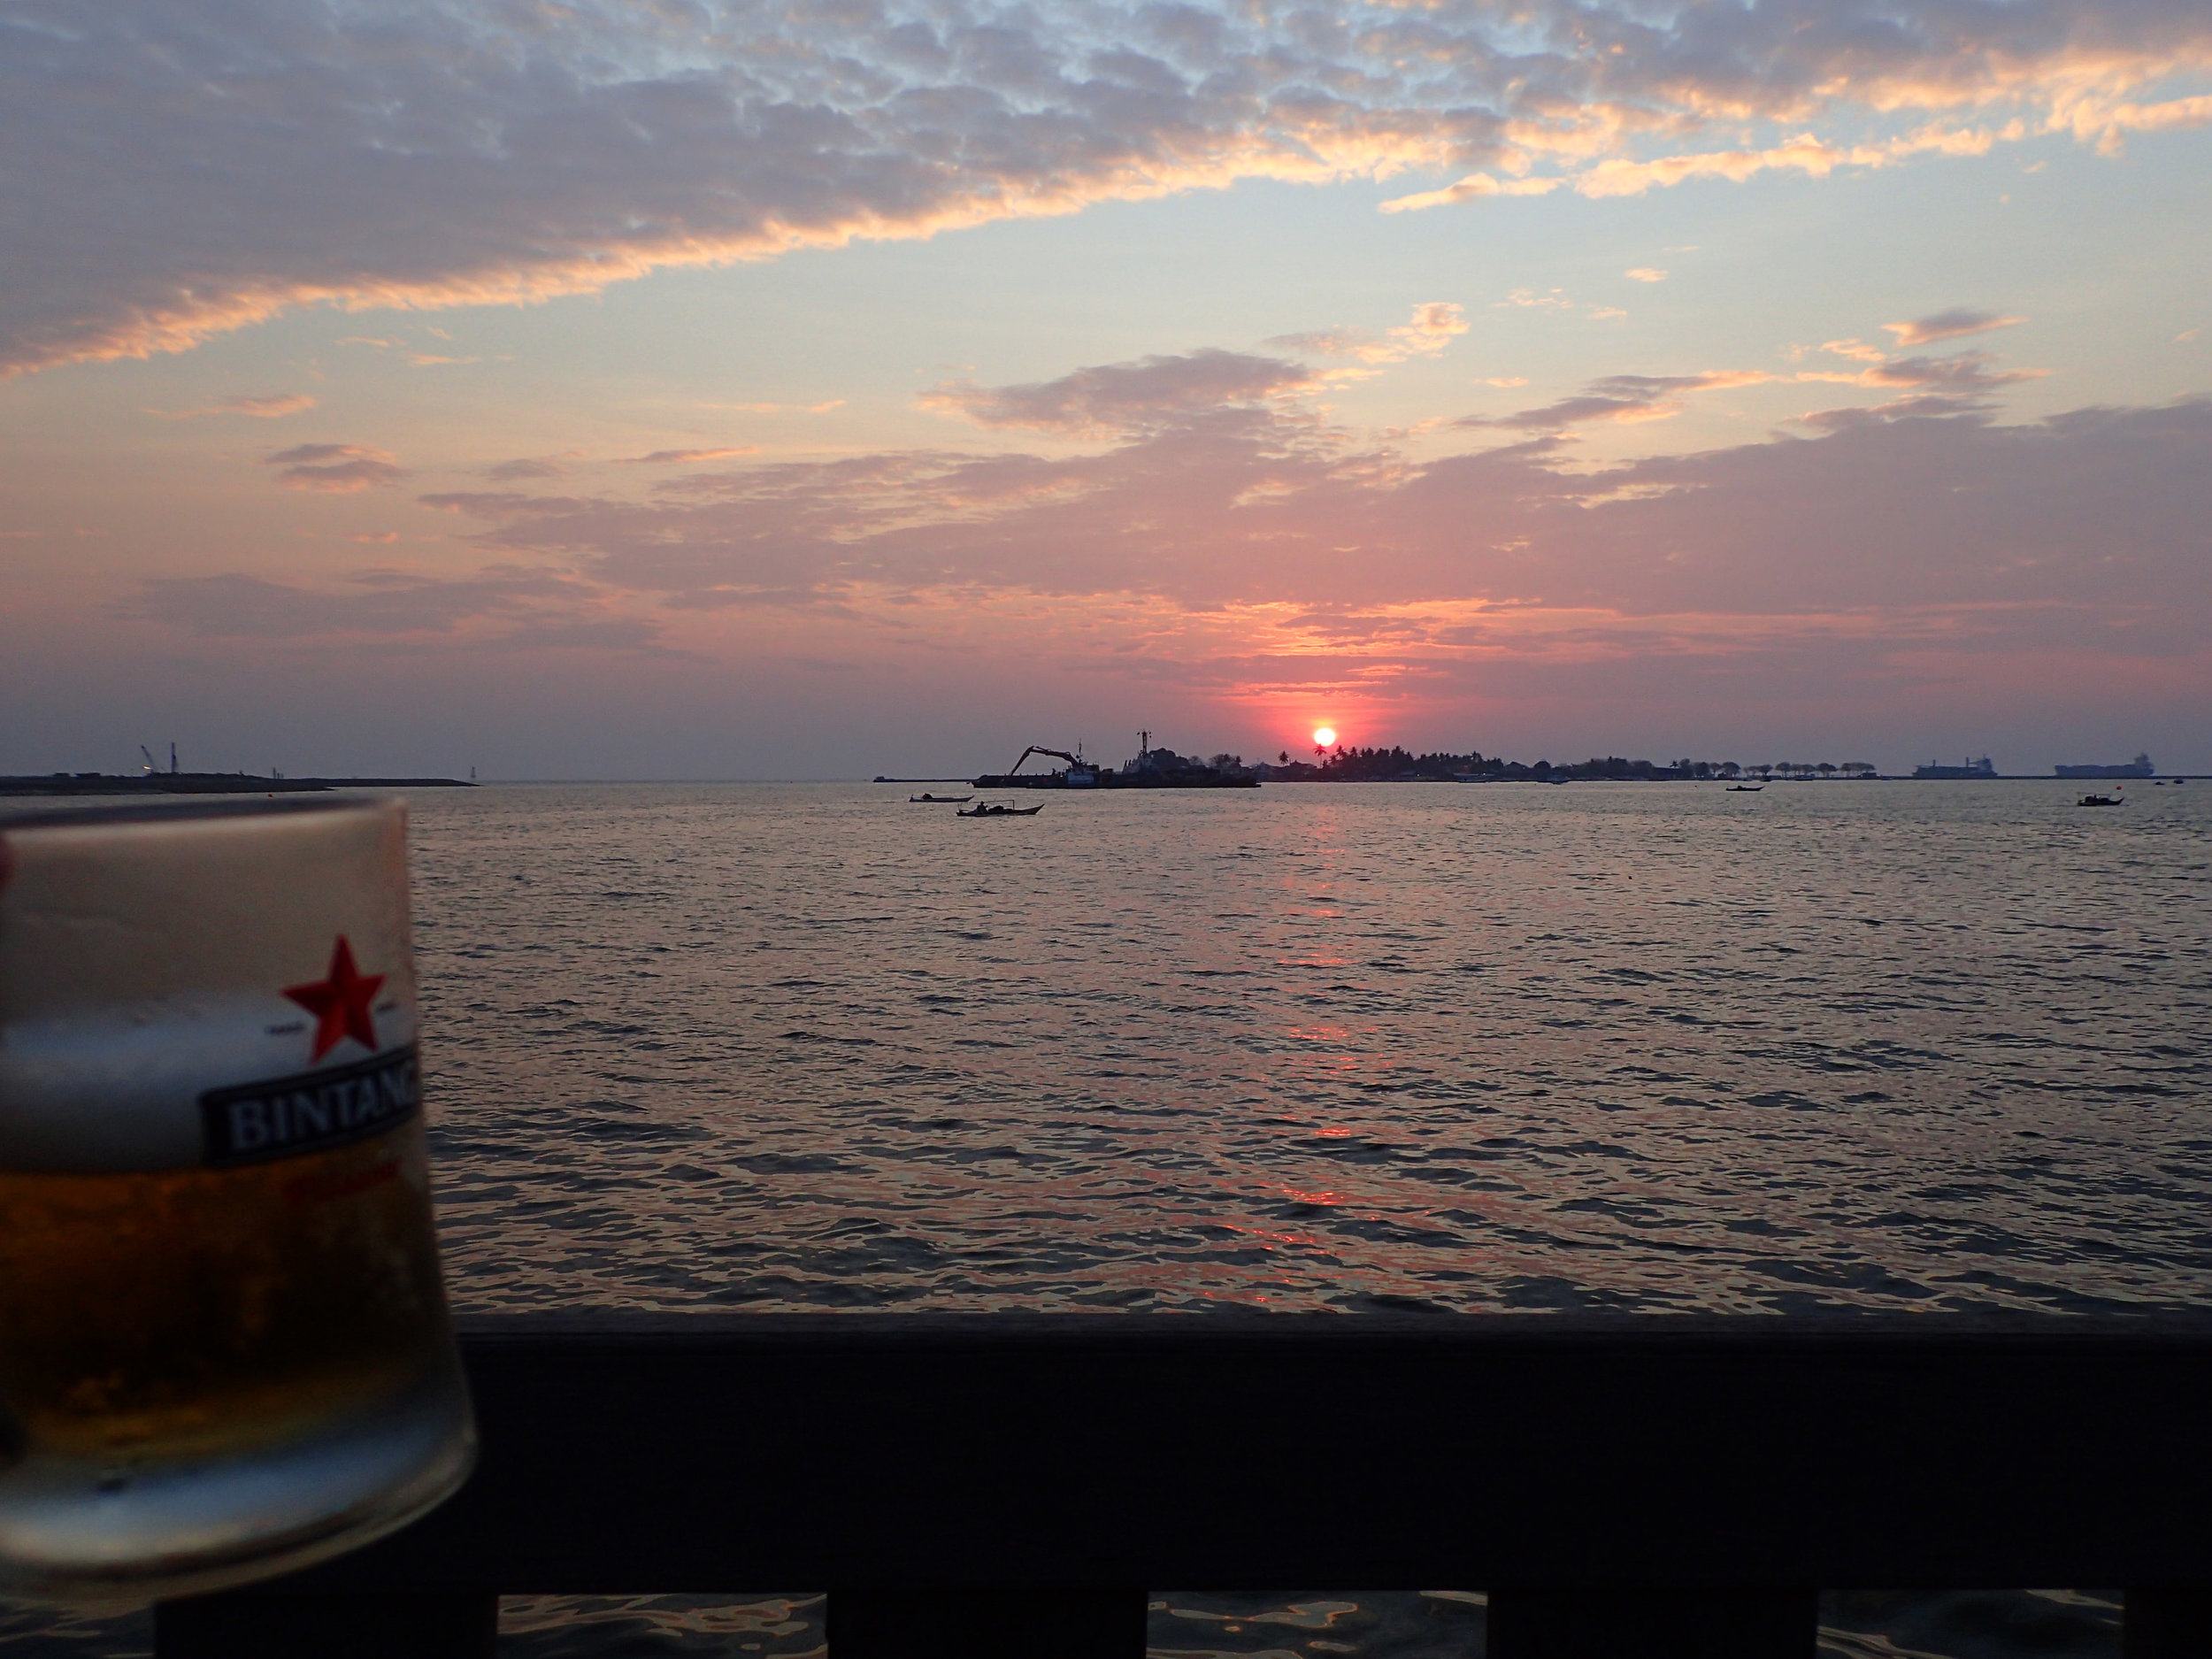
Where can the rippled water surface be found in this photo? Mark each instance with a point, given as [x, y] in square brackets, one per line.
[1652, 1047]
[1476, 1047]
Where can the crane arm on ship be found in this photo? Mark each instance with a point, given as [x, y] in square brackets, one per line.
[1057, 753]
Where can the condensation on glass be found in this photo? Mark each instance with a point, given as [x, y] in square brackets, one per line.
[224, 1346]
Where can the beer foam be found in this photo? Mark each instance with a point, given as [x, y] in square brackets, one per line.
[120, 1089]
[99, 911]
[150, 956]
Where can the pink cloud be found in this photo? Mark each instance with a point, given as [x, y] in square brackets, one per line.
[1228, 509]
[268, 406]
[1950, 325]
[1803, 153]
[1244, 556]
[339, 467]
[506, 605]
[1434, 325]
[1127, 397]
[1474, 188]
[676, 458]
[527, 466]
[1621, 397]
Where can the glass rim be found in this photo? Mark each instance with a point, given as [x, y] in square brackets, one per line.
[175, 811]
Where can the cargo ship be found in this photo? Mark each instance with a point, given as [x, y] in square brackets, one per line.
[1982, 768]
[2139, 767]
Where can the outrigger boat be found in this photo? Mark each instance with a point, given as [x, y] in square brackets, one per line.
[1745, 788]
[991, 809]
[937, 800]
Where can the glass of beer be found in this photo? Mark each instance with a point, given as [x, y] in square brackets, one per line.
[224, 1345]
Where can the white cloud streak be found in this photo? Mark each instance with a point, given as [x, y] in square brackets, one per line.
[270, 406]
[1435, 324]
[1956, 324]
[1474, 188]
[1126, 397]
[678, 458]
[1627, 398]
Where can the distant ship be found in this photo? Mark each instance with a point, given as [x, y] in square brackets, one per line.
[1982, 768]
[1153, 769]
[2139, 767]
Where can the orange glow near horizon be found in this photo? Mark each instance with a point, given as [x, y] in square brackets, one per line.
[1325, 735]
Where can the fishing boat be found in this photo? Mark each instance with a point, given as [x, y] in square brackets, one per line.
[1745, 788]
[2101, 800]
[937, 800]
[992, 809]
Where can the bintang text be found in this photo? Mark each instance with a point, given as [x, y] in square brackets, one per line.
[1397, 765]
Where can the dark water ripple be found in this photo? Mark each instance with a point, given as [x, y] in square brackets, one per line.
[1640, 1047]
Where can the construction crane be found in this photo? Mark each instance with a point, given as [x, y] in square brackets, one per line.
[1056, 754]
[1080, 774]
[151, 768]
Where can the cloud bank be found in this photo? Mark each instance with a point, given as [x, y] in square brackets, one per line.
[1229, 538]
[206, 163]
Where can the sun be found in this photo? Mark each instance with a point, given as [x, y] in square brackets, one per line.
[1325, 735]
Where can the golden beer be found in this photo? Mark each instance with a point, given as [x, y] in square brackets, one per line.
[224, 1346]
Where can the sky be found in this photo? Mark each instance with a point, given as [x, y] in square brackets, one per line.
[822, 388]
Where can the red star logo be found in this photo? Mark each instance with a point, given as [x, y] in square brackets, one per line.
[340, 1003]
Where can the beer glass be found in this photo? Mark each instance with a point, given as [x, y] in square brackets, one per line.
[224, 1345]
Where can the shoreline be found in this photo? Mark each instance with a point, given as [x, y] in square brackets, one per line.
[207, 783]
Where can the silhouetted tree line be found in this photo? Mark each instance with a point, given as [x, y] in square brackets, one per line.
[1399, 766]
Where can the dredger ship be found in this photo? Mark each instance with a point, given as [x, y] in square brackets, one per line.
[1152, 768]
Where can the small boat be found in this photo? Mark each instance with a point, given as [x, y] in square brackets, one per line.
[991, 809]
[2101, 800]
[1745, 788]
[937, 800]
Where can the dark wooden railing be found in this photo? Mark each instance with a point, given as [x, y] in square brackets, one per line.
[1680, 1481]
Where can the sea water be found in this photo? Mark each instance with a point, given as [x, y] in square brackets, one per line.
[1466, 1048]
[1469, 1047]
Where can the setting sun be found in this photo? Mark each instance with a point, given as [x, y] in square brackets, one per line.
[1325, 735]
